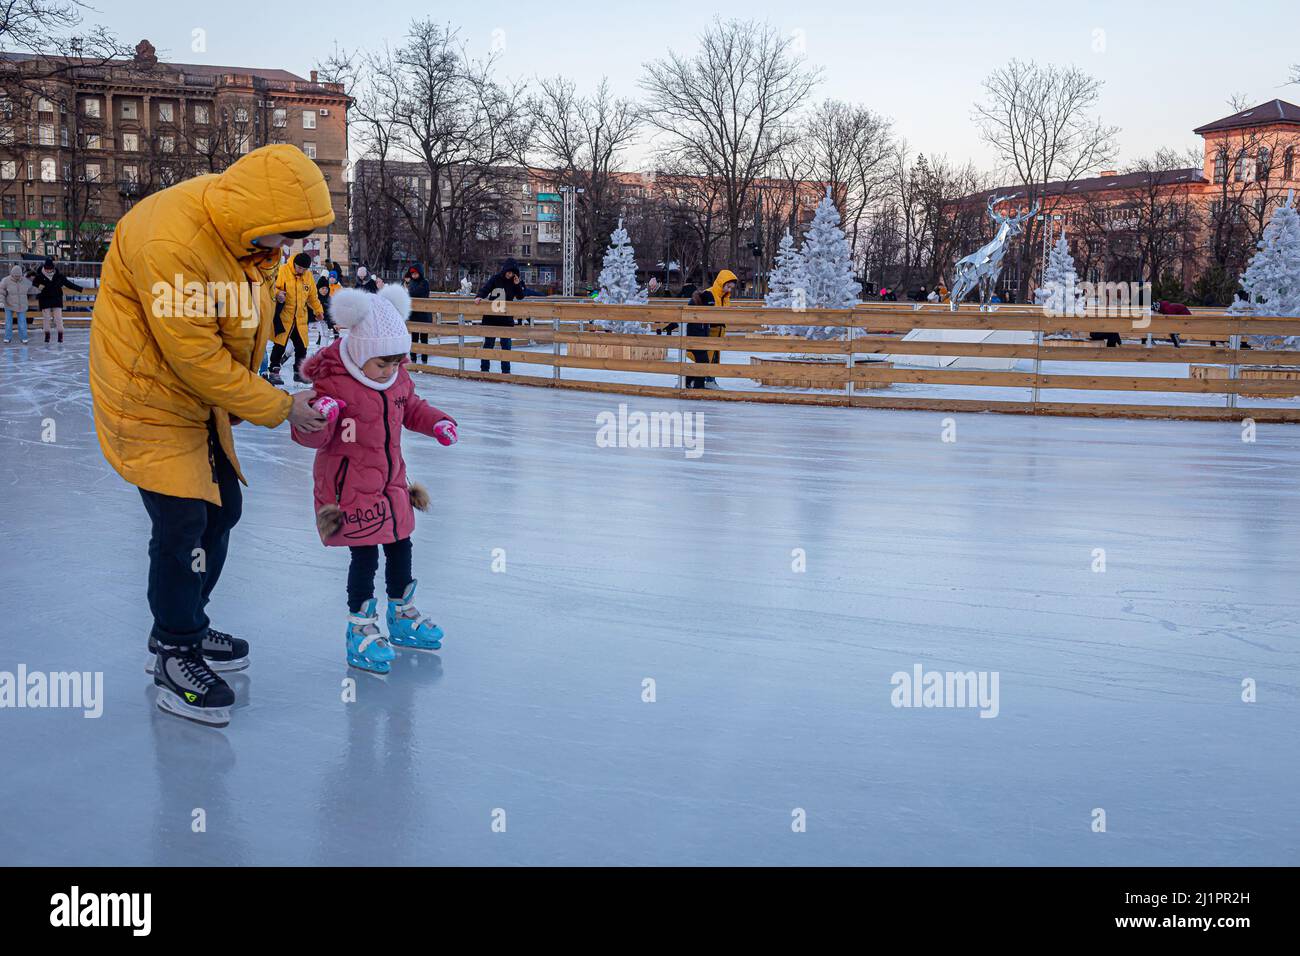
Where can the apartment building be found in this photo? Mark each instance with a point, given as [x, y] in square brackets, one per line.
[81, 144]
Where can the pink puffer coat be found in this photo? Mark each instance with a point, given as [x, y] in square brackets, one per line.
[365, 476]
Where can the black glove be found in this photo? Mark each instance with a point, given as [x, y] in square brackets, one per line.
[276, 324]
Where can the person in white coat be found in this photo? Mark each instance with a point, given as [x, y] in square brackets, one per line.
[14, 290]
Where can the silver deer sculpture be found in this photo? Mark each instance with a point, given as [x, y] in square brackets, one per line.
[983, 266]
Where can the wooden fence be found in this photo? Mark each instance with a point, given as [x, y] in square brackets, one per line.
[1199, 380]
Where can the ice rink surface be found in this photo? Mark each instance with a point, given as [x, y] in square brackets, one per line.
[1119, 690]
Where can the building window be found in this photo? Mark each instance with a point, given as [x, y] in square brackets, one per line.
[8, 169]
[529, 209]
[31, 171]
[167, 144]
[44, 106]
[130, 174]
[241, 143]
[1263, 162]
[49, 172]
[309, 149]
[526, 249]
[241, 115]
[130, 142]
[201, 145]
[130, 110]
[280, 117]
[1221, 166]
[31, 206]
[308, 119]
[63, 135]
[45, 134]
[48, 206]
[201, 113]
[528, 229]
[92, 172]
[1239, 172]
[10, 207]
[166, 113]
[90, 108]
[1288, 163]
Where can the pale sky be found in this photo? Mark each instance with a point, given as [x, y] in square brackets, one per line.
[1167, 67]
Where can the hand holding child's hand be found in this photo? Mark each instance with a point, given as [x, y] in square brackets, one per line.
[329, 407]
[445, 432]
[302, 416]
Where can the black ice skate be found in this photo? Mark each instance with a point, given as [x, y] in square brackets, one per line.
[273, 376]
[188, 688]
[223, 653]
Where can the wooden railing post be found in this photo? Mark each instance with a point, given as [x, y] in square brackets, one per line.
[681, 348]
[1233, 371]
[460, 342]
[1038, 360]
[555, 342]
[848, 361]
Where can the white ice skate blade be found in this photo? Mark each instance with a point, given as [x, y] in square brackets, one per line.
[420, 650]
[220, 667]
[169, 703]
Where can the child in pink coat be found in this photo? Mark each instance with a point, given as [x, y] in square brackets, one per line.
[361, 493]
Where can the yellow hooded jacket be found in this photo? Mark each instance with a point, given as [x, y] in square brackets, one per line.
[182, 316]
[720, 298]
[299, 296]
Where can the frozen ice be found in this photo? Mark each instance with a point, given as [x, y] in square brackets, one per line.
[1118, 689]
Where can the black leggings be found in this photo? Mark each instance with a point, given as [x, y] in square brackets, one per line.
[299, 350]
[365, 562]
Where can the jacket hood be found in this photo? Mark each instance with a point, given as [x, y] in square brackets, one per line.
[417, 269]
[273, 189]
[325, 363]
[510, 265]
[722, 278]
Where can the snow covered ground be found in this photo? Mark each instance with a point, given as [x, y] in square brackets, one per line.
[1118, 690]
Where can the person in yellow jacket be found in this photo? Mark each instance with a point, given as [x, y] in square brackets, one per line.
[181, 318]
[718, 294]
[296, 304]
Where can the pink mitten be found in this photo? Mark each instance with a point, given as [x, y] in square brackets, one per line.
[445, 432]
[329, 407]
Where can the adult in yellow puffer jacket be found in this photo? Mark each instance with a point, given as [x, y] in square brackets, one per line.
[181, 317]
[718, 294]
[296, 303]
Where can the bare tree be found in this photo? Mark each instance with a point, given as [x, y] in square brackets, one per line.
[1162, 215]
[582, 140]
[427, 111]
[723, 110]
[1038, 120]
[849, 149]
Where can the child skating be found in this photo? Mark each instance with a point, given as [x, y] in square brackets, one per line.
[362, 498]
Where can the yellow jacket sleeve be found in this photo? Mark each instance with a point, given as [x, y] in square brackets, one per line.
[191, 343]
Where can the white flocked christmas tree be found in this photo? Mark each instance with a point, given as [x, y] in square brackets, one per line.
[618, 284]
[786, 287]
[827, 270]
[1059, 294]
[1272, 280]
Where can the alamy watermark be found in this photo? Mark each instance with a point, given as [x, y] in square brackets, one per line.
[922, 688]
[1098, 300]
[74, 690]
[651, 430]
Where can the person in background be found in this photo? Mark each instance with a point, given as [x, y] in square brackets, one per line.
[296, 305]
[417, 287]
[507, 286]
[668, 328]
[49, 283]
[719, 294]
[1172, 308]
[323, 292]
[14, 290]
[365, 280]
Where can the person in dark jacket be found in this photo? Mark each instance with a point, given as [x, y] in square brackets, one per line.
[508, 286]
[323, 293]
[418, 288]
[365, 280]
[49, 284]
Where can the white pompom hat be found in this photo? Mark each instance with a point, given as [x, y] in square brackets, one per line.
[376, 324]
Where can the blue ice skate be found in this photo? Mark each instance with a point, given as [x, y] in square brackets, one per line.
[408, 628]
[367, 648]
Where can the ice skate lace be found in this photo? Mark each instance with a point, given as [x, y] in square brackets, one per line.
[197, 671]
[219, 637]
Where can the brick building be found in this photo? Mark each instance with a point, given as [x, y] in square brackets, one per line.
[81, 144]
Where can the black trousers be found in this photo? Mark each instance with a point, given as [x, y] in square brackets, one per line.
[187, 551]
[486, 365]
[421, 338]
[365, 562]
[299, 349]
